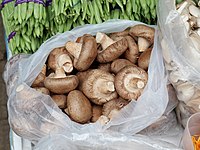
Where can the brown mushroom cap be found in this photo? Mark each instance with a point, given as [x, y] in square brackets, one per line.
[118, 64]
[79, 107]
[39, 81]
[121, 33]
[132, 52]
[80, 39]
[115, 35]
[42, 90]
[113, 51]
[130, 82]
[59, 83]
[143, 61]
[96, 113]
[111, 108]
[99, 86]
[106, 67]
[84, 54]
[59, 57]
[60, 100]
[143, 31]
[81, 77]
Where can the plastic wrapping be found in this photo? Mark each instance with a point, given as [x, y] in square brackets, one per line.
[192, 128]
[105, 141]
[182, 59]
[33, 115]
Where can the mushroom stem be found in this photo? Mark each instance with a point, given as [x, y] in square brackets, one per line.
[143, 44]
[74, 48]
[107, 86]
[60, 73]
[136, 82]
[104, 40]
[65, 61]
[182, 7]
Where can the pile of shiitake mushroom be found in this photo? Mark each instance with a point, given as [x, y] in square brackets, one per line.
[94, 77]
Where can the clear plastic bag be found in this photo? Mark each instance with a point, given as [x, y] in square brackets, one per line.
[192, 128]
[103, 141]
[181, 58]
[179, 50]
[33, 115]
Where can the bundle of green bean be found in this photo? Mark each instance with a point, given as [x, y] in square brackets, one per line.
[33, 23]
[30, 23]
[67, 14]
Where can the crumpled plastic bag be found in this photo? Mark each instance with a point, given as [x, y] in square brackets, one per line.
[181, 59]
[102, 141]
[34, 115]
[192, 128]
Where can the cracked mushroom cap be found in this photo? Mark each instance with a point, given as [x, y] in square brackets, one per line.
[79, 107]
[60, 100]
[99, 86]
[39, 81]
[130, 82]
[132, 52]
[143, 61]
[84, 53]
[59, 57]
[59, 83]
[111, 108]
[96, 112]
[111, 49]
[118, 64]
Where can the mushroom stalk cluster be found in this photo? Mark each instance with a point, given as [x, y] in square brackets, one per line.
[93, 78]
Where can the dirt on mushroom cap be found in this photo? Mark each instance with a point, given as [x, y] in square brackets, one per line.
[79, 107]
[113, 51]
[125, 82]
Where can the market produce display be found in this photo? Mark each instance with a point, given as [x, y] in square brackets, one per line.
[29, 24]
[92, 78]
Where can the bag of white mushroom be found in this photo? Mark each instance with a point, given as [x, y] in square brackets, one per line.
[180, 39]
[93, 78]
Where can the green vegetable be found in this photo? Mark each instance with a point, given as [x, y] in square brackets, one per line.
[34, 23]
